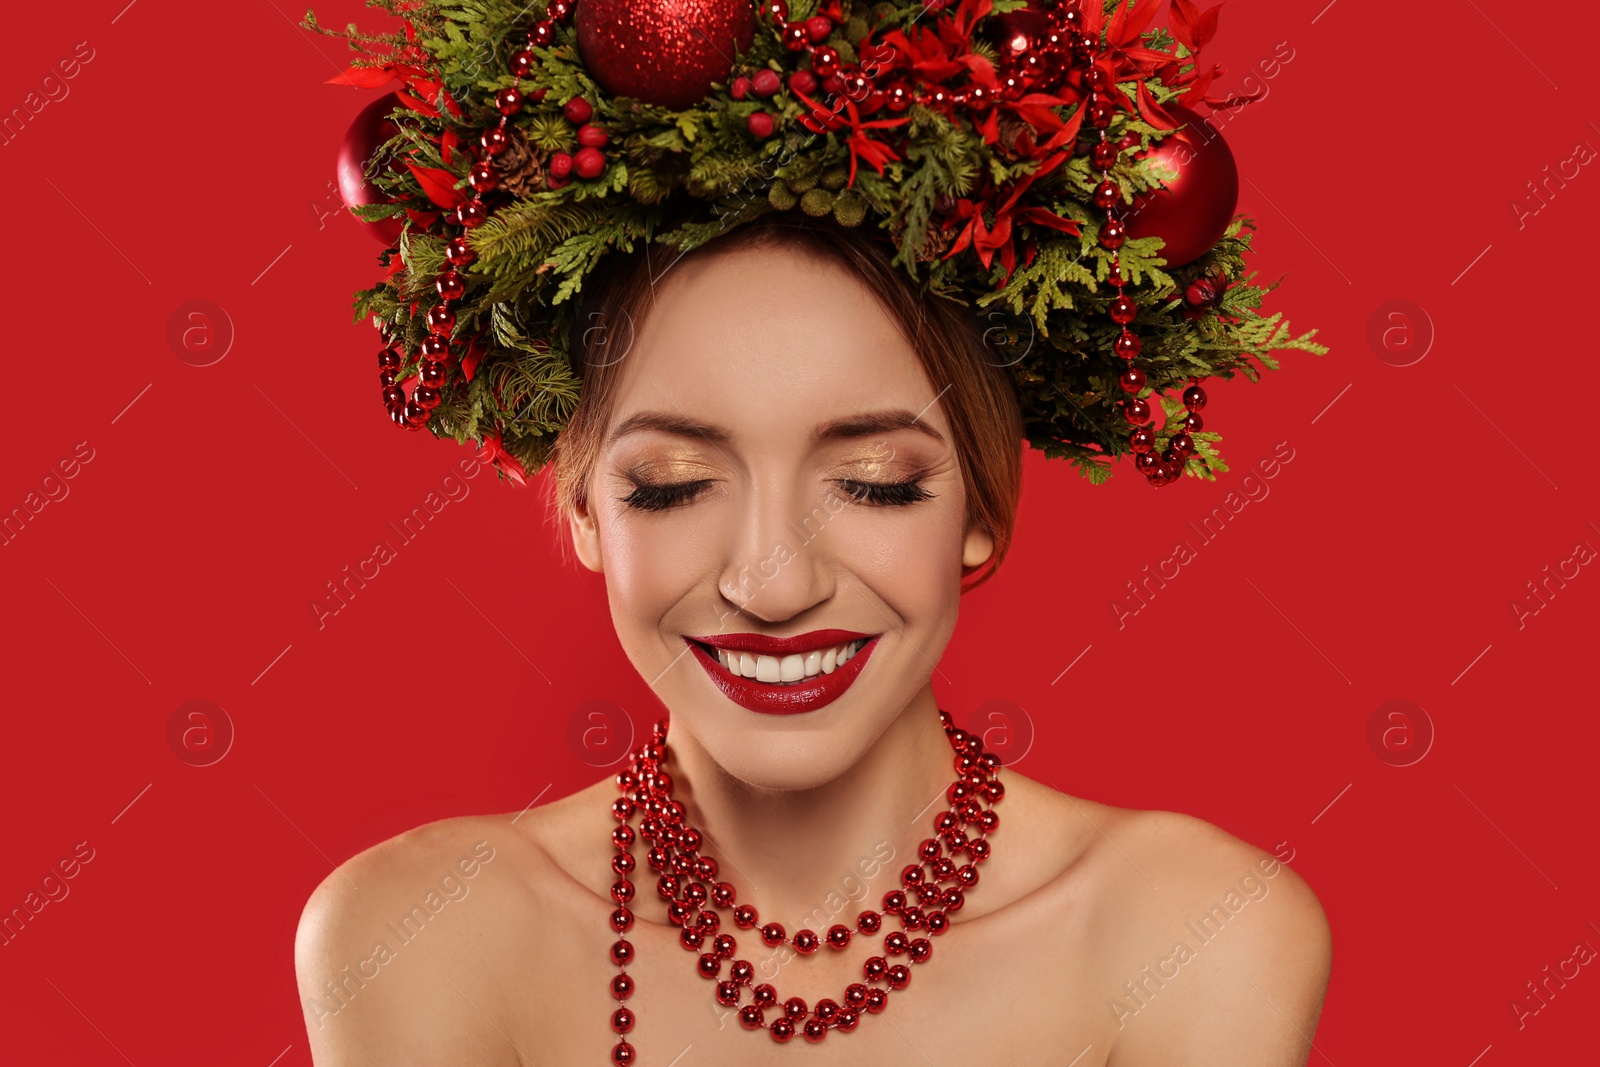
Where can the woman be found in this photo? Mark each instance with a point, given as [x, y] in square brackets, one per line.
[827, 471]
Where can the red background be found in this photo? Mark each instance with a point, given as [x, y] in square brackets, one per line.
[191, 160]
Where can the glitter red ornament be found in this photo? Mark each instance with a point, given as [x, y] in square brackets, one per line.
[663, 52]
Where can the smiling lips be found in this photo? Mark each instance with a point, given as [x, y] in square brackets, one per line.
[785, 675]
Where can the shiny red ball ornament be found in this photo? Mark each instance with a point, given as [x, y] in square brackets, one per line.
[441, 319]
[370, 129]
[1113, 233]
[662, 52]
[508, 101]
[458, 252]
[1191, 211]
[427, 398]
[494, 141]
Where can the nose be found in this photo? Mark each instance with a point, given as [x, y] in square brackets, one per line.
[777, 564]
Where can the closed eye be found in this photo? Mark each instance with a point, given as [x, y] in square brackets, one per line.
[650, 497]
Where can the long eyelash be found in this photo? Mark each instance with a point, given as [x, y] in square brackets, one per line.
[889, 494]
[647, 497]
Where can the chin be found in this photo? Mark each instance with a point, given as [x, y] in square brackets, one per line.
[785, 753]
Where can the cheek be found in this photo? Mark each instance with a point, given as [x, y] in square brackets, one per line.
[913, 563]
[649, 567]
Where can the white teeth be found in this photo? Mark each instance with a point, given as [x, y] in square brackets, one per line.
[790, 669]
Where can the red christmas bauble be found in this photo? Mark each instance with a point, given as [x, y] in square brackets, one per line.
[663, 52]
[361, 141]
[1190, 212]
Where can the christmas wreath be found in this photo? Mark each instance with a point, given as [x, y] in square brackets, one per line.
[1033, 162]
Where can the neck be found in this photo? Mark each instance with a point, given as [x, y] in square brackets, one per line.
[810, 858]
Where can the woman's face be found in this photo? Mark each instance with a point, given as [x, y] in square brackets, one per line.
[753, 353]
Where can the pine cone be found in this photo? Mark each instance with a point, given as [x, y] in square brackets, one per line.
[520, 166]
[936, 243]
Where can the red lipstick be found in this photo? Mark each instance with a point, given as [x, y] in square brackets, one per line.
[761, 644]
[815, 692]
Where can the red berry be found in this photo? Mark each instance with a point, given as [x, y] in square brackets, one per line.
[760, 124]
[803, 81]
[1200, 293]
[740, 88]
[765, 83]
[591, 136]
[560, 165]
[589, 162]
[578, 111]
[818, 28]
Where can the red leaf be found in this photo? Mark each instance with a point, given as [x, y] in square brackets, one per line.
[1205, 27]
[1235, 99]
[450, 140]
[438, 184]
[1180, 20]
[1151, 111]
[363, 77]
[420, 106]
[1129, 21]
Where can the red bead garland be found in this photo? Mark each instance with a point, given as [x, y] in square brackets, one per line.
[435, 355]
[1168, 466]
[684, 873]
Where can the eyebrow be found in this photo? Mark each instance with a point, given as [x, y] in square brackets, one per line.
[847, 428]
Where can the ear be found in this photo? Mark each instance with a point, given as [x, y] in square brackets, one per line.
[977, 548]
[586, 538]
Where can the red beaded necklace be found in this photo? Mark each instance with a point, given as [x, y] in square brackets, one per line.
[683, 873]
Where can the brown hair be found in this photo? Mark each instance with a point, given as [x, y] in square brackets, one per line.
[981, 402]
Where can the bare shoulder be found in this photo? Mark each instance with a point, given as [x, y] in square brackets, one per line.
[401, 951]
[1220, 947]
